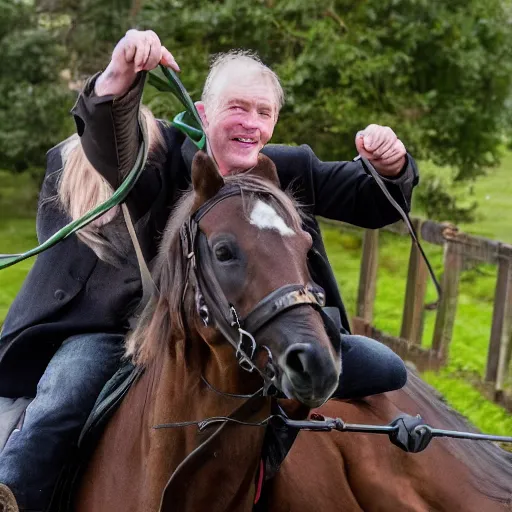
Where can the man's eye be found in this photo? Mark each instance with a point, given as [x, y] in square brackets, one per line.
[265, 113]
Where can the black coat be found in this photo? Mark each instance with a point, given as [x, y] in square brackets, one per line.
[70, 291]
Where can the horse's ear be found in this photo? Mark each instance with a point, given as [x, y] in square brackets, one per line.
[266, 169]
[206, 179]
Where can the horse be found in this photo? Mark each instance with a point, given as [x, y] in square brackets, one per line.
[250, 244]
[234, 254]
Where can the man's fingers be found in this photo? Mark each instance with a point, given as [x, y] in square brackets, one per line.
[155, 51]
[388, 141]
[168, 60]
[388, 149]
[142, 54]
[370, 137]
[390, 160]
[129, 51]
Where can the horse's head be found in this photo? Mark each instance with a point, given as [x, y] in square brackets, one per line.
[252, 274]
[233, 267]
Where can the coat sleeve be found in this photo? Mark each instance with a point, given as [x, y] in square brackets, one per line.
[108, 127]
[344, 191]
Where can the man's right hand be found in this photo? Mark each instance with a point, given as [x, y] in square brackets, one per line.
[136, 51]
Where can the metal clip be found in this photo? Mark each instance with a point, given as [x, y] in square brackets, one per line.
[202, 309]
[245, 358]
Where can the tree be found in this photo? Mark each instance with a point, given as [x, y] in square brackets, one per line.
[34, 99]
[437, 71]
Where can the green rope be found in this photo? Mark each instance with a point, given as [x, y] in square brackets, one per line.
[188, 122]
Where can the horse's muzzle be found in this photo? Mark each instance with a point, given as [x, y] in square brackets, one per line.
[308, 374]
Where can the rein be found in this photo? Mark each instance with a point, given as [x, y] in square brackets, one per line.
[370, 169]
[407, 432]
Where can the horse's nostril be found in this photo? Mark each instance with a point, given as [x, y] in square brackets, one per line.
[296, 361]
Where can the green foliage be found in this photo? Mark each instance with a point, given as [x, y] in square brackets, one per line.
[489, 417]
[34, 100]
[442, 198]
[437, 71]
[90, 29]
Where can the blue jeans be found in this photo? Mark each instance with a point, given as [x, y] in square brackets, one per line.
[368, 368]
[33, 457]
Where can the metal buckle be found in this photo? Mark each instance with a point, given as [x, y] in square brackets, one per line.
[244, 359]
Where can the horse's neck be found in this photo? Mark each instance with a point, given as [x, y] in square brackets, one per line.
[231, 458]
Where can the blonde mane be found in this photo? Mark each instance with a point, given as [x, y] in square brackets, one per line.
[81, 188]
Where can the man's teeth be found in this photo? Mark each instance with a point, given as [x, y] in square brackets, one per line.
[244, 140]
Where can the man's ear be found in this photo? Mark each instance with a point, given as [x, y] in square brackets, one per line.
[202, 112]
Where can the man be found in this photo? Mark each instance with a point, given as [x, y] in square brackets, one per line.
[93, 287]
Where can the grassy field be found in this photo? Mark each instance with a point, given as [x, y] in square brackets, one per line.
[17, 231]
[472, 328]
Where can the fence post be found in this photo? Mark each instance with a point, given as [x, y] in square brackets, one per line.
[443, 330]
[417, 274]
[368, 275]
[499, 314]
[506, 334]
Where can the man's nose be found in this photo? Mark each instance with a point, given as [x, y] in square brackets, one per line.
[250, 121]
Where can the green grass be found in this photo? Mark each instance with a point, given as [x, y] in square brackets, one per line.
[492, 193]
[18, 195]
[16, 235]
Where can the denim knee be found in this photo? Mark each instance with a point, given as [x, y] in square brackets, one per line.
[368, 368]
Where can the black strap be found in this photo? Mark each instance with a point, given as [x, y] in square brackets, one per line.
[368, 167]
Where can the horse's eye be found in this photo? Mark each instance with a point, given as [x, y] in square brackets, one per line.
[223, 253]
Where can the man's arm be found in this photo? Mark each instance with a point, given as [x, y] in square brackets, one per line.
[344, 191]
[107, 110]
[109, 129]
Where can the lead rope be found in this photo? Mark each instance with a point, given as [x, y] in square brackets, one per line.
[368, 167]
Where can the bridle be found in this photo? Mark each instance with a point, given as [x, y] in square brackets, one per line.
[214, 309]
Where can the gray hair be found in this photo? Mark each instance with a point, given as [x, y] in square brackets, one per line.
[250, 58]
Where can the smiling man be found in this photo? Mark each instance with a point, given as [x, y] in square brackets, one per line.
[239, 109]
[72, 312]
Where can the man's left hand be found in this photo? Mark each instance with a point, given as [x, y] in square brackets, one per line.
[383, 148]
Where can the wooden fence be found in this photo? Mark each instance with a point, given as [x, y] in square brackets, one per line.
[459, 248]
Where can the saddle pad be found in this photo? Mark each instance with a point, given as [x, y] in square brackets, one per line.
[108, 401]
[11, 410]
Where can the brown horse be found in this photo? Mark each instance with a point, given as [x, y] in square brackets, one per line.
[252, 234]
[254, 250]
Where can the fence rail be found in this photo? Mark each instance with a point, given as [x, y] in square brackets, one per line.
[458, 248]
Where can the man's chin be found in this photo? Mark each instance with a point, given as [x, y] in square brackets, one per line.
[242, 164]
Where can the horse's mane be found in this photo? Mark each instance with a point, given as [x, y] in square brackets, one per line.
[490, 466]
[163, 318]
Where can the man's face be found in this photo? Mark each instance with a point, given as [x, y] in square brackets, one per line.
[240, 120]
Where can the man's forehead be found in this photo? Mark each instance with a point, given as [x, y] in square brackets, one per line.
[238, 82]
